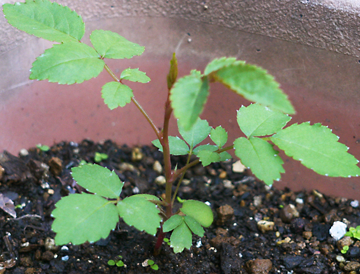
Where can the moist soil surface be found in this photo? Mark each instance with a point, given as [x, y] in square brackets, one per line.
[257, 229]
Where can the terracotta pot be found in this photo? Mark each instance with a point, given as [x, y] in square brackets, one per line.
[309, 47]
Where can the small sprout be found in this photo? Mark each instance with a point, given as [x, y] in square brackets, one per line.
[166, 240]
[152, 264]
[43, 148]
[345, 249]
[117, 262]
[100, 157]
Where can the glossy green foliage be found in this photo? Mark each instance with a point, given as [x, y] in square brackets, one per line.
[139, 212]
[83, 217]
[134, 75]
[219, 136]
[113, 46]
[256, 120]
[196, 134]
[98, 180]
[316, 147]
[45, 19]
[116, 94]
[177, 146]
[260, 156]
[188, 97]
[67, 63]
[199, 211]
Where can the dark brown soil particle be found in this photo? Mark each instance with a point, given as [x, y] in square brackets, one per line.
[257, 229]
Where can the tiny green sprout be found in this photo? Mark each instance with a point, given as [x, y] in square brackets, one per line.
[117, 262]
[43, 148]
[82, 162]
[152, 264]
[281, 206]
[345, 249]
[100, 157]
[354, 232]
[18, 206]
[264, 124]
[167, 241]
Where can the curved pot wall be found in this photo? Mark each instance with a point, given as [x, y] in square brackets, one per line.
[308, 61]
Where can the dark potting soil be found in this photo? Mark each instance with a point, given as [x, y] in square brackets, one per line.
[257, 229]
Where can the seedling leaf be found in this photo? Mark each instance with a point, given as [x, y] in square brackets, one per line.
[137, 211]
[116, 94]
[194, 226]
[67, 63]
[255, 84]
[83, 217]
[316, 147]
[219, 136]
[134, 75]
[198, 132]
[181, 238]
[204, 147]
[177, 146]
[172, 223]
[98, 179]
[219, 63]
[207, 157]
[257, 120]
[260, 157]
[45, 19]
[111, 45]
[224, 156]
[199, 211]
[188, 97]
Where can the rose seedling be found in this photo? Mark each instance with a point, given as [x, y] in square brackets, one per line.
[91, 216]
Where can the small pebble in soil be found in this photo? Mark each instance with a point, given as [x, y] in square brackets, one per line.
[338, 230]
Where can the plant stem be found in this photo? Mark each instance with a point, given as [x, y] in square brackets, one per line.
[147, 117]
[180, 180]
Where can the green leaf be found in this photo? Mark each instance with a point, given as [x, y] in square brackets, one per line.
[111, 45]
[177, 146]
[188, 97]
[98, 179]
[198, 132]
[173, 72]
[45, 19]
[100, 156]
[83, 217]
[224, 156]
[194, 226]
[134, 75]
[116, 94]
[257, 120]
[260, 156]
[316, 147]
[207, 157]
[219, 63]
[199, 211]
[255, 84]
[172, 223]
[219, 136]
[67, 63]
[137, 211]
[205, 147]
[181, 238]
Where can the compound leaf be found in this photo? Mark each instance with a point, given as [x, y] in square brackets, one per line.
[219, 63]
[257, 120]
[83, 217]
[194, 226]
[139, 212]
[198, 132]
[219, 136]
[134, 75]
[199, 211]
[45, 19]
[188, 97]
[98, 179]
[116, 94]
[172, 223]
[111, 45]
[177, 146]
[255, 84]
[260, 157]
[67, 63]
[316, 147]
[207, 157]
[181, 238]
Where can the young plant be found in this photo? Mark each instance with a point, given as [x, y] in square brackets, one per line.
[354, 232]
[118, 262]
[90, 217]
